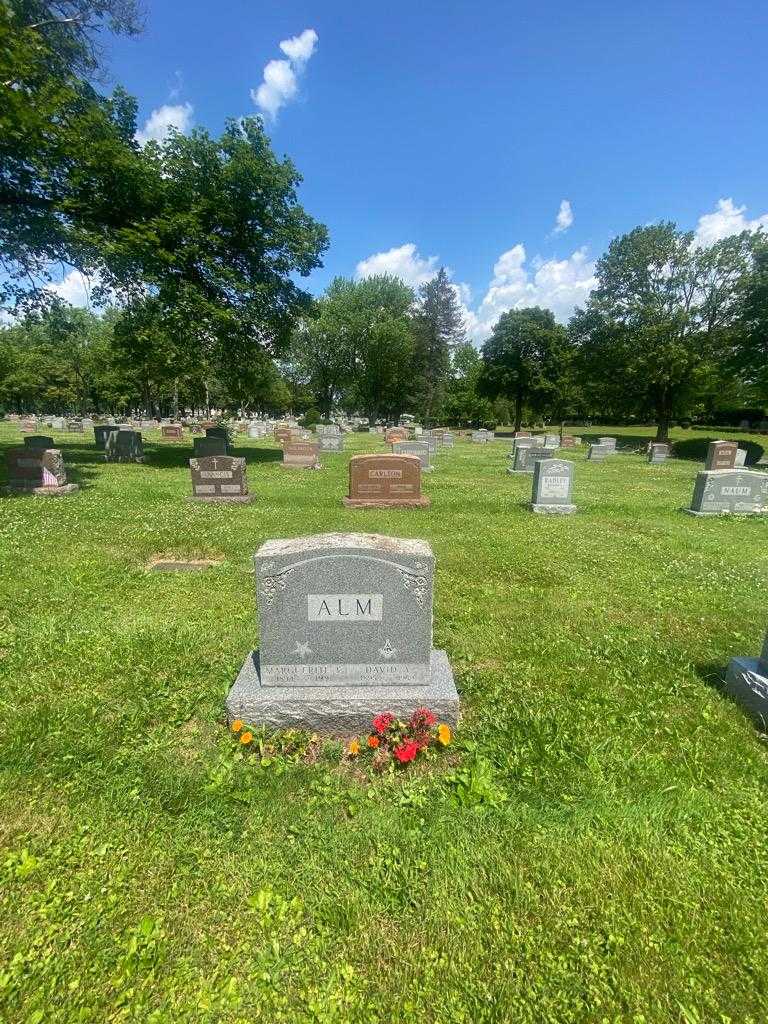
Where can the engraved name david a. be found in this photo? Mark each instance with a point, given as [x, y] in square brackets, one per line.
[344, 607]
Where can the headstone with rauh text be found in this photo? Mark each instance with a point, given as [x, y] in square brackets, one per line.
[552, 487]
[219, 478]
[525, 458]
[331, 442]
[202, 447]
[39, 441]
[721, 455]
[301, 455]
[124, 446]
[385, 481]
[418, 448]
[722, 491]
[346, 633]
[599, 452]
[658, 452]
[173, 431]
[746, 680]
[38, 471]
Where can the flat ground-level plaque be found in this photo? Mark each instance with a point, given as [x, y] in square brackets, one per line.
[346, 632]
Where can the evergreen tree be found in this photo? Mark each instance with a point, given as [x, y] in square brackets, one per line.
[438, 329]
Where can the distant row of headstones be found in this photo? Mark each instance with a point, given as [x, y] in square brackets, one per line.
[724, 485]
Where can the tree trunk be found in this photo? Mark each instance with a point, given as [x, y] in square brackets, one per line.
[662, 427]
[518, 411]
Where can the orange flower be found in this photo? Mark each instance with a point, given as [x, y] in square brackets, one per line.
[237, 725]
[353, 748]
[246, 737]
[373, 742]
[444, 734]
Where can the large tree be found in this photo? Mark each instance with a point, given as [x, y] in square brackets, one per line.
[323, 348]
[661, 314]
[525, 360]
[438, 329]
[68, 163]
[749, 357]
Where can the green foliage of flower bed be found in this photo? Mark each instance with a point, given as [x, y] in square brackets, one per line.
[591, 847]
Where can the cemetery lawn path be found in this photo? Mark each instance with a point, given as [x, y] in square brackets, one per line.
[593, 847]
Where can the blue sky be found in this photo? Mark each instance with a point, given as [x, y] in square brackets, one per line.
[451, 133]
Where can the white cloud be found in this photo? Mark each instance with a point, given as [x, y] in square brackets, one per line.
[75, 288]
[727, 219]
[161, 120]
[403, 262]
[300, 48]
[564, 217]
[280, 80]
[559, 285]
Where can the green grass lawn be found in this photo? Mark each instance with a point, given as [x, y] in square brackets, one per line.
[594, 847]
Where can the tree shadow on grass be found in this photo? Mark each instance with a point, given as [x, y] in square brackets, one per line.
[695, 449]
[712, 673]
[178, 456]
[624, 442]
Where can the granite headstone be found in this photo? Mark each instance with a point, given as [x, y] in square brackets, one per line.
[346, 633]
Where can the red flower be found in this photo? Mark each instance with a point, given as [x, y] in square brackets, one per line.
[422, 719]
[373, 742]
[382, 722]
[406, 751]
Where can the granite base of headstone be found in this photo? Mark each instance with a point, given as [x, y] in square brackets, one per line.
[219, 478]
[746, 680]
[346, 633]
[552, 487]
[729, 492]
